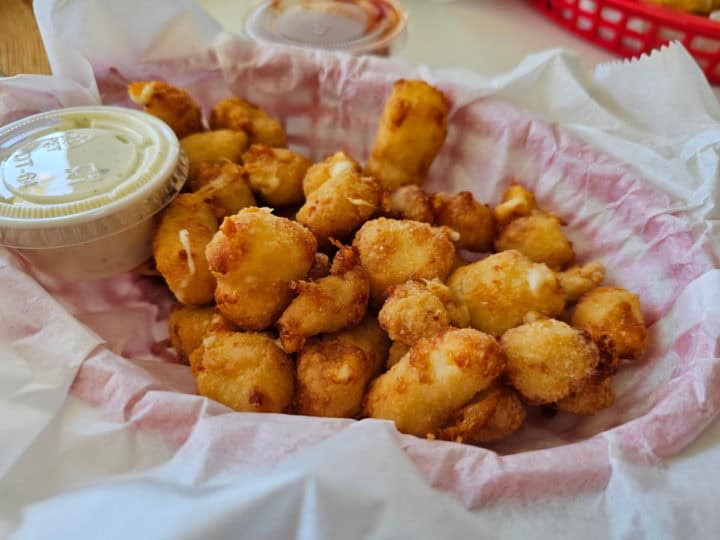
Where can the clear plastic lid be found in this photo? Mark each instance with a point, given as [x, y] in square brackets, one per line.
[75, 175]
[356, 26]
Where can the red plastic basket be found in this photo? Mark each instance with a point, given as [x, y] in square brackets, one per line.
[630, 28]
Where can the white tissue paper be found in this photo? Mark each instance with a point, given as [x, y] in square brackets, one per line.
[101, 433]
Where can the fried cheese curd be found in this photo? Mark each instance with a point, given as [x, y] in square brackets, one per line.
[217, 323]
[240, 115]
[435, 378]
[615, 313]
[472, 220]
[408, 202]
[228, 192]
[332, 166]
[397, 350]
[548, 359]
[187, 326]
[255, 256]
[502, 288]
[223, 144]
[417, 309]
[276, 174]
[394, 251]
[339, 206]
[539, 237]
[592, 397]
[246, 371]
[172, 105]
[328, 304]
[516, 202]
[492, 415]
[186, 226]
[578, 280]
[333, 370]
[412, 129]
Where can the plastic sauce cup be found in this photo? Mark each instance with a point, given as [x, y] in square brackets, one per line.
[80, 188]
[354, 26]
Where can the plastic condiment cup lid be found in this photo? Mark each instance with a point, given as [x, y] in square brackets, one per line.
[356, 26]
[75, 175]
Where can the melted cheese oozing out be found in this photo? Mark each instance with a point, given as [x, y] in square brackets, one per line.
[536, 277]
[340, 168]
[359, 202]
[184, 237]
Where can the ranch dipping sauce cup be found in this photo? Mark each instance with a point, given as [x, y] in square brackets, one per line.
[80, 188]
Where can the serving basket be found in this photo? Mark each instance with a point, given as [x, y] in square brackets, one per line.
[630, 28]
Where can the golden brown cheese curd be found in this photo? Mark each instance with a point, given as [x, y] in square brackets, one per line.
[394, 251]
[472, 220]
[224, 144]
[412, 130]
[332, 166]
[228, 192]
[333, 370]
[548, 359]
[255, 256]
[517, 202]
[187, 326]
[591, 398]
[438, 376]
[539, 237]
[240, 115]
[578, 280]
[186, 226]
[170, 104]
[329, 304]
[276, 174]
[246, 371]
[339, 206]
[502, 288]
[491, 416]
[408, 202]
[615, 313]
[417, 309]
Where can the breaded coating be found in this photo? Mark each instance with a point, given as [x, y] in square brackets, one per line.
[240, 115]
[539, 237]
[491, 416]
[186, 226]
[339, 206]
[228, 192]
[329, 304]
[578, 280]
[397, 350]
[332, 166]
[224, 144]
[206, 172]
[517, 202]
[394, 251]
[548, 359]
[334, 370]
[472, 220]
[590, 398]
[255, 256]
[417, 309]
[412, 130]
[187, 326]
[320, 267]
[247, 372]
[615, 313]
[438, 376]
[408, 202]
[170, 104]
[502, 288]
[276, 174]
